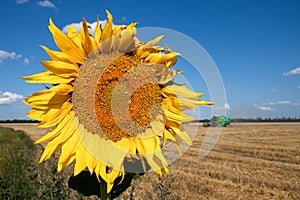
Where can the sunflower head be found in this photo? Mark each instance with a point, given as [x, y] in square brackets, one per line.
[112, 100]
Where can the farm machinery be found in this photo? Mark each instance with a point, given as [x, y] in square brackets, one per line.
[220, 121]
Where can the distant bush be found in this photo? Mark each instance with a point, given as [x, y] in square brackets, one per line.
[21, 177]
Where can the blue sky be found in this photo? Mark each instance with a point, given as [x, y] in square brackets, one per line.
[255, 45]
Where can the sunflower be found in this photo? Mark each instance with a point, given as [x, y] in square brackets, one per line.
[112, 99]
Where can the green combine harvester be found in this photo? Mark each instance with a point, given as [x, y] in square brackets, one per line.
[220, 121]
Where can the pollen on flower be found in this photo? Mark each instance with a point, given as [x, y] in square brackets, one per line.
[93, 95]
[144, 99]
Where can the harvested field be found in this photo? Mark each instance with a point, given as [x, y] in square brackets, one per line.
[33, 132]
[249, 161]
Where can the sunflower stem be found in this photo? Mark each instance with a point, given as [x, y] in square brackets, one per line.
[103, 191]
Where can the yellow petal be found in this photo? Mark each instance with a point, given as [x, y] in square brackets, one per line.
[127, 42]
[157, 127]
[94, 44]
[61, 127]
[149, 148]
[173, 61]
[160, 58]
[62, 89]
[55, 102]
[107, 33]
[185, 103]
[116, 37]
[181, 134]
[182, 117]
[127, 144]
[85, 37]
[181, 91]
[111, 177]
[155, 58]
[132, 27]
[75, 36]
[168, 76]
[36, 114]
[100, 169]
[47, 77]
[147, 145]
[153, 42]
[48, 151]
[68, 161]
[168, 135]
[170, 59]
[68, 151]
[147, 51]
[55, 115]
[91, 162]
[156, 161]
[56, 144]
[46, 99]
[98, 32]
[118, 29]
[40, 98]
[144, 48]
[58, 56]
[60, 68]
[80, 160]
[109, 187]
[66, 44]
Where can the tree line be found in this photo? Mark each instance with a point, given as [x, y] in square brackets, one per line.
[267, 119]
[18, 121]
[260, 119]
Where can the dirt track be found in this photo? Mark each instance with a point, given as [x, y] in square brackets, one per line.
[33, 132]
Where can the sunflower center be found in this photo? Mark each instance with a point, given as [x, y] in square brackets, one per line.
[116, 96]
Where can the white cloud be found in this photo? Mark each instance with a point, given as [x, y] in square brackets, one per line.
[9, 97]
[284, 102]
[298, 87]
[270, 105]
[266, 108]
[46, 4]
[227, 106]
[292, 72]
[26, 61]
[8, 55]
[21, 1]
[275, 103]
[79, 25]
